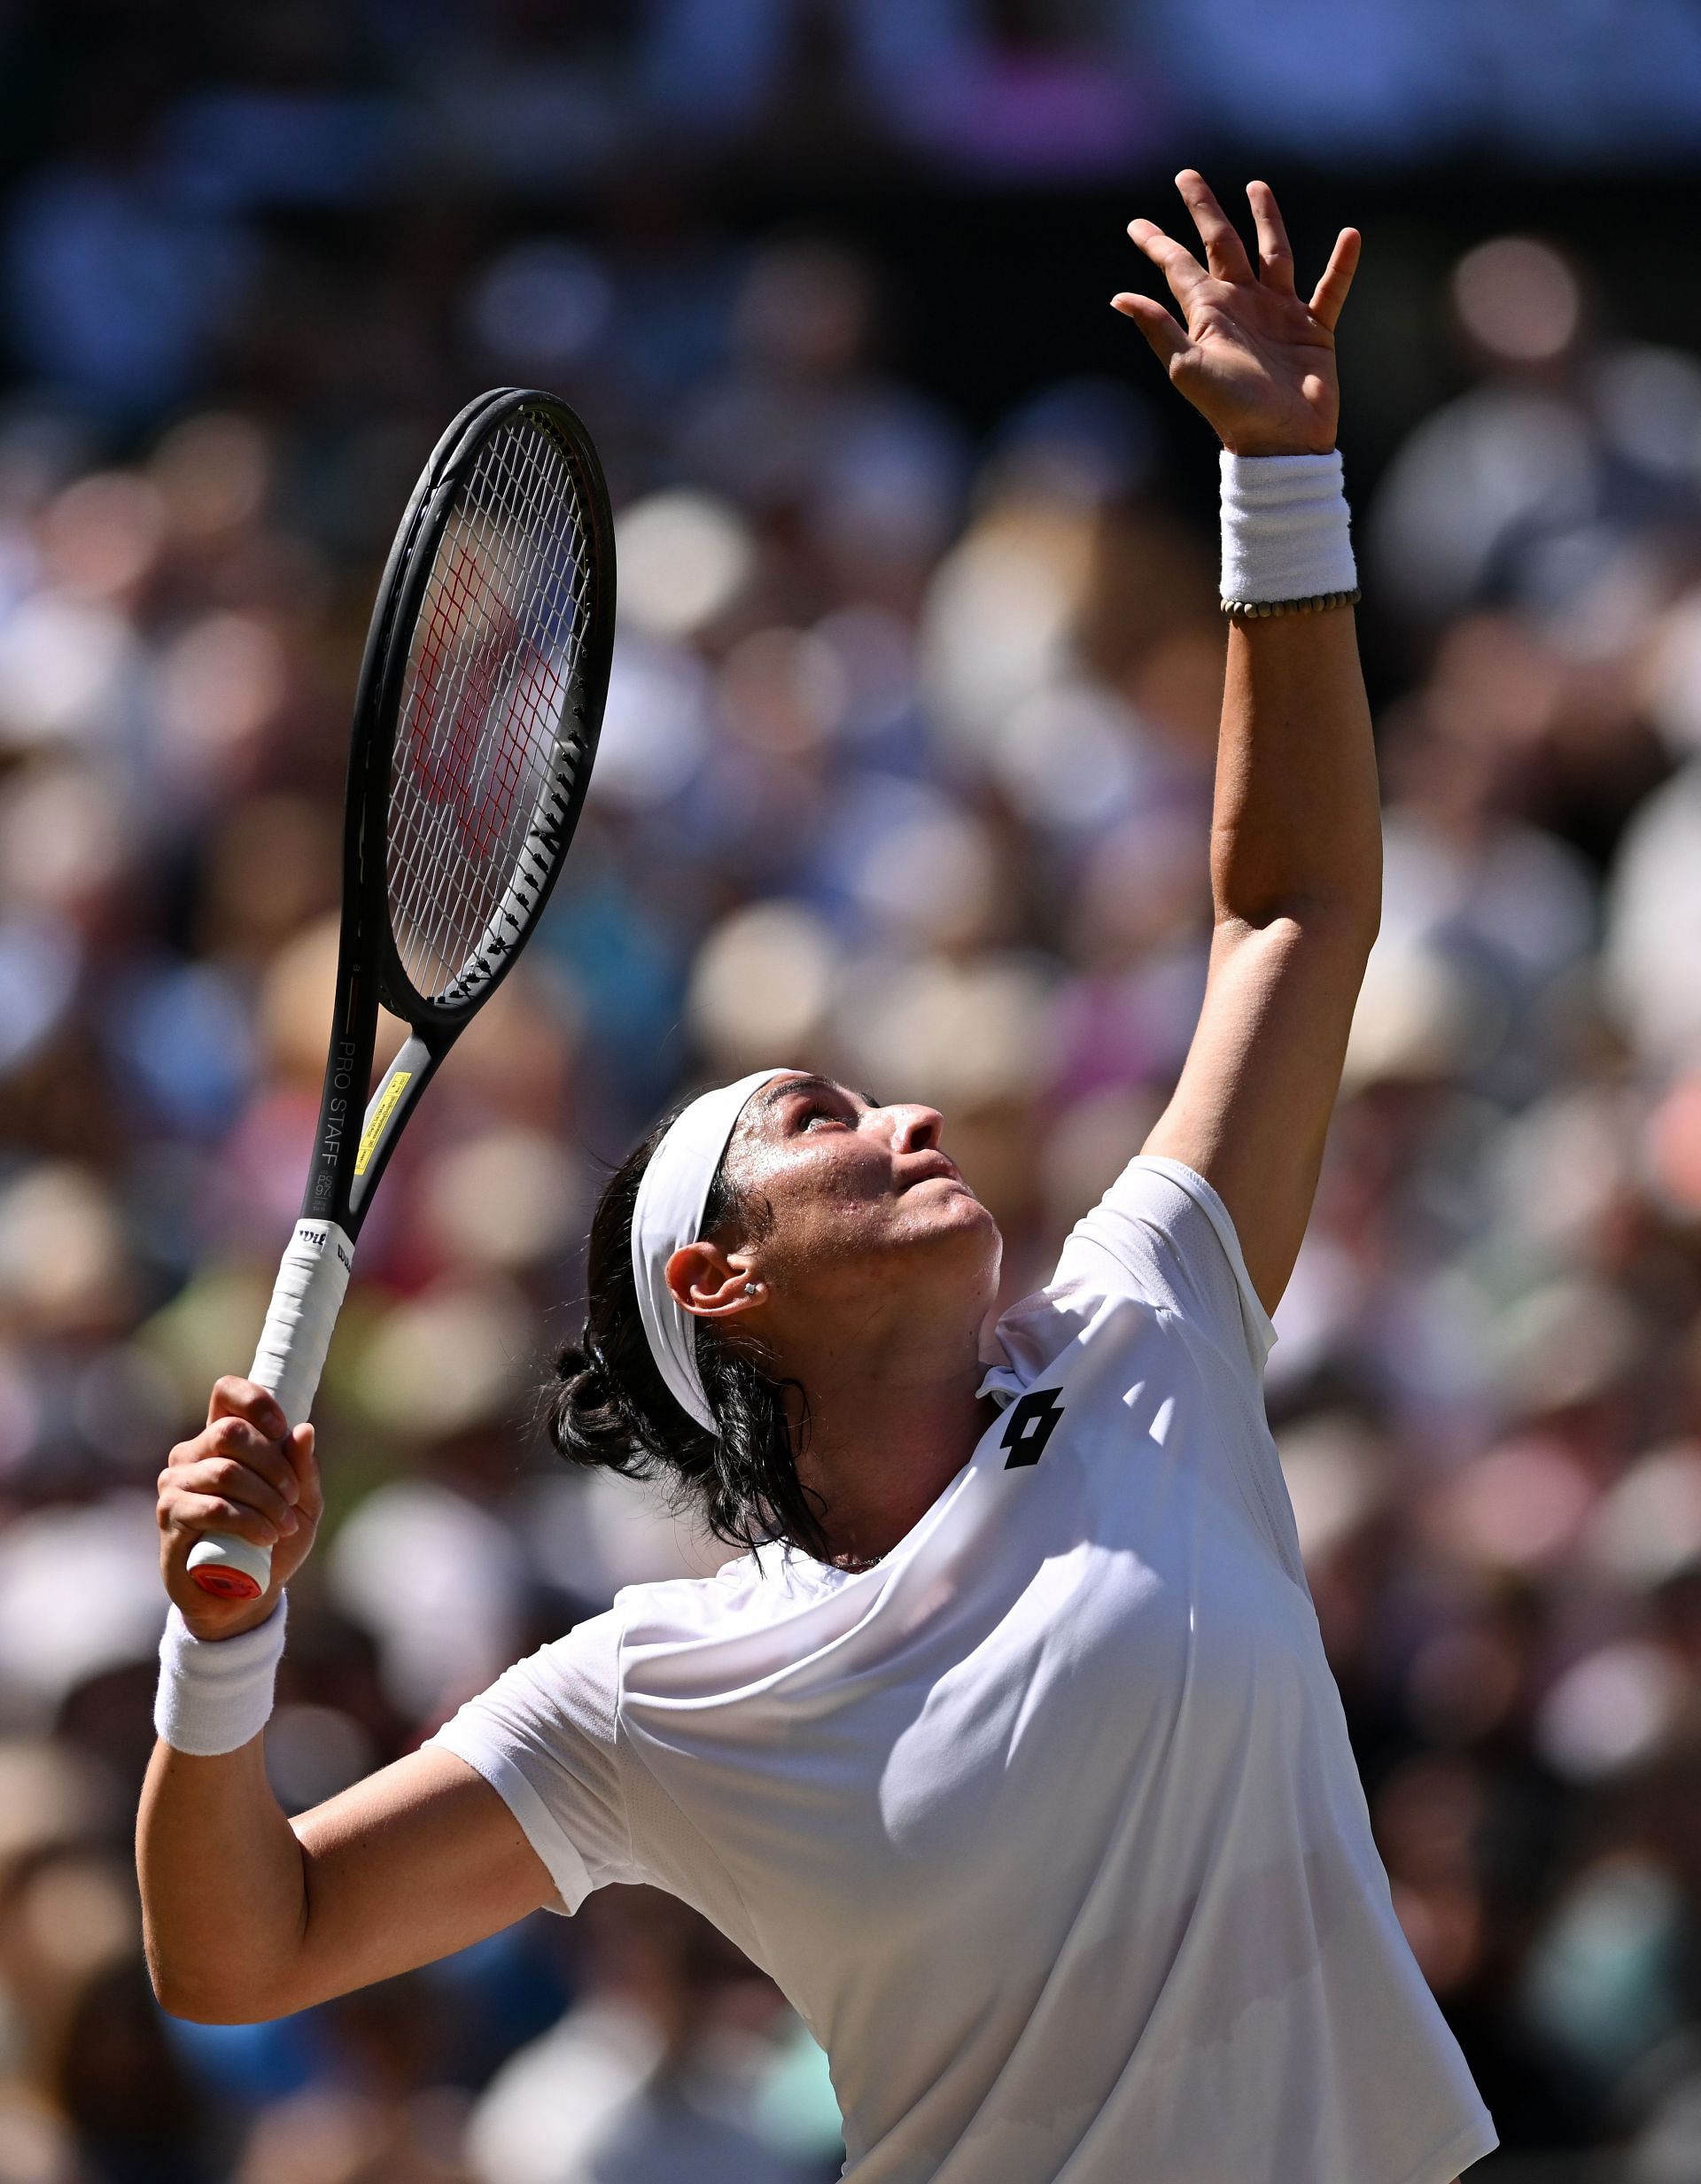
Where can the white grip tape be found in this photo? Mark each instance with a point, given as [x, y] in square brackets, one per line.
[311, 1285]
[312, 1282]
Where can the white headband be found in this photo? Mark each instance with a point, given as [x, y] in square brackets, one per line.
[668, 1215]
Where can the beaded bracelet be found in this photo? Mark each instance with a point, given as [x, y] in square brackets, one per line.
[1318, 603]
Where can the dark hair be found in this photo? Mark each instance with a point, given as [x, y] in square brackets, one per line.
[609, 1408]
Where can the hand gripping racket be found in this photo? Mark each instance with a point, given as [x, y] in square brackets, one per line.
[475, 722]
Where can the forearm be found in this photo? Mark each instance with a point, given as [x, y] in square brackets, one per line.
[1296, 823]
[224, 1897]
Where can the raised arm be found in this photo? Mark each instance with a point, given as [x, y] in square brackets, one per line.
[251, 1915]
[1296, 844]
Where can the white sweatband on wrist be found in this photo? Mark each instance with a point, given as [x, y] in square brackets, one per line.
[1285, 529]
[216, 1694]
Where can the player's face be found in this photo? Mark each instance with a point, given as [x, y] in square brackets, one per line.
[849, 1189]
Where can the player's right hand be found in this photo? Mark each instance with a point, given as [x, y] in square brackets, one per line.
[246, 1472]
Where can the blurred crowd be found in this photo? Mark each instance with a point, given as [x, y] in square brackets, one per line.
[905, 776]
[182, 118]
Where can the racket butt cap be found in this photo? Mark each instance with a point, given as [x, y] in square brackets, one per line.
[226, 1584]
[229, 1568]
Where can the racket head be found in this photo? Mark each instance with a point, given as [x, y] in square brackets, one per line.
[490, 655]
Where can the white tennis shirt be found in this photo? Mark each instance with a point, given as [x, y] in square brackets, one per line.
[1047, 1825]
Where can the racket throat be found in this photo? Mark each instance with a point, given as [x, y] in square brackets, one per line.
[391, 1103]
[348, 1071]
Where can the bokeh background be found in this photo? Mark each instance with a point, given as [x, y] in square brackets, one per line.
[905, 774]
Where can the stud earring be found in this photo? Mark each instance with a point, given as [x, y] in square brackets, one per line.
[751, 1288]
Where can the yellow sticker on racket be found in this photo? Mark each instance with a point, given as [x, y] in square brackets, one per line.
[382, 1109]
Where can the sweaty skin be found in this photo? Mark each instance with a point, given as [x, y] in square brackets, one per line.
[876, 1272]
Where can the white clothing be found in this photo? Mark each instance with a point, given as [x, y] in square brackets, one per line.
[1047, 1825]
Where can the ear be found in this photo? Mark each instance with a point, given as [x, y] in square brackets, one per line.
[709, 1283]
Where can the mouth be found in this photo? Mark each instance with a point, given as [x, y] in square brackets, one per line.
[932, 1168]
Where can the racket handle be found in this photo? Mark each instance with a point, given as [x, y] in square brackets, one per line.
[307, 1296]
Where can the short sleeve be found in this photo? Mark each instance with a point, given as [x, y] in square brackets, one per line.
[545, 1737]
[1162, 1234]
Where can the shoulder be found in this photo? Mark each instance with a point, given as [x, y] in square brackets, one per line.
[748, 1590]
[1160, 1243]
[573, 1679]
[580, 1678]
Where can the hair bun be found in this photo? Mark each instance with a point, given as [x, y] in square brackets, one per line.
[581, 1378]
[588, 1418]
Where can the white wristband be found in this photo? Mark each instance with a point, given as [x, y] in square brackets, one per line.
[216, 1694]
[1285, 527]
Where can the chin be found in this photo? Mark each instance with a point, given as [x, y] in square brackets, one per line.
[955, 1213]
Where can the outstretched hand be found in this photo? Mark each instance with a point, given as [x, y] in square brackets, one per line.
[1255, 361]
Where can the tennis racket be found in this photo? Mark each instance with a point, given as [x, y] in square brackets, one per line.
[476, 721]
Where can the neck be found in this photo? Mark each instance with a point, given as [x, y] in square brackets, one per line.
[890, 1424]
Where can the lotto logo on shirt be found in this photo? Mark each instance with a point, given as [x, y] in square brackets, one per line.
[1031, 1424]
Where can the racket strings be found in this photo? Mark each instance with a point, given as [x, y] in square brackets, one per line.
[479, 749]
[465, 814]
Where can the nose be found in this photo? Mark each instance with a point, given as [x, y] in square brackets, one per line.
[915, 1129]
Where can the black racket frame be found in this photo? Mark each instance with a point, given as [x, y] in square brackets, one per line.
[368, 967]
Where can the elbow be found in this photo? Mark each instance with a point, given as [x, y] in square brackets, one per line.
[198, 2005]
[191, 2008]
[1360, 922]
[187, 2002]
[194, 2001]
[1347, 923]
[200, 1997]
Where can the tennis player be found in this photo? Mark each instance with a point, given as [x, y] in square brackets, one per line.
[1008, 1745]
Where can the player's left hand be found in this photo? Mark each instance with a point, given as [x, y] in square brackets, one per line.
[1255, 361]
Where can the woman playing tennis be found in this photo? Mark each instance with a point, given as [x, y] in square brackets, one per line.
[1008, 1747]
